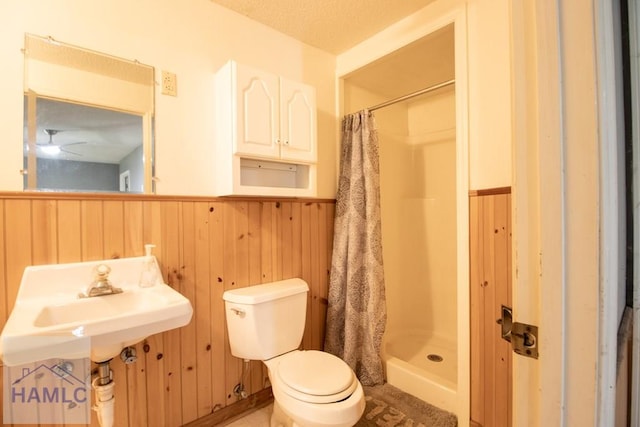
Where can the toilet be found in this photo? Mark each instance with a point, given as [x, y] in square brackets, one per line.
[310, 388]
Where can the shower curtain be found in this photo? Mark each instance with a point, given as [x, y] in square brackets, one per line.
[356, 314]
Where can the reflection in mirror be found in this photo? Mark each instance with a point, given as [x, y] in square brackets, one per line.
[85, 148]
[87, 120]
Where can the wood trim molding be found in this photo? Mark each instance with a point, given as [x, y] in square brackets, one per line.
[46, 195]
[490, 191]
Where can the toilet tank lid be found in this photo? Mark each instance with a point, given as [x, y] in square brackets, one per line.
[266, 292]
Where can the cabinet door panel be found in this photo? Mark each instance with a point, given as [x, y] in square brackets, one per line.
[257, 113]
[297, 121]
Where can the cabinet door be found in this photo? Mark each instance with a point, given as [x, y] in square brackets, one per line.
[257, 113]
[297, 121]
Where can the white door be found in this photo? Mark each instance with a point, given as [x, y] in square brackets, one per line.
[565, 220]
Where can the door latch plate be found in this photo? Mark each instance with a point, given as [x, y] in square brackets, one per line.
[523, 337]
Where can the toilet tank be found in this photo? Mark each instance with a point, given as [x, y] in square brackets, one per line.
[266, 320]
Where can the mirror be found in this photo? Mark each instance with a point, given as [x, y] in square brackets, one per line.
[87, 120]
[85, 148]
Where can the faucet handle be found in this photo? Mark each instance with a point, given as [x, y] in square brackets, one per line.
[102, 271]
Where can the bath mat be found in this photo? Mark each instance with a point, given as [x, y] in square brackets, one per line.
[388, 406]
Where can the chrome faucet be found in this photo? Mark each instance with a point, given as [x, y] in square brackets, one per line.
[101, 284]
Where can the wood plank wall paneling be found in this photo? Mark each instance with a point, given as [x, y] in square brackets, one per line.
[203, 247]
[490, 288]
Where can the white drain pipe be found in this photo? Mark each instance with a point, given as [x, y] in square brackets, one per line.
[103, 385]
[105, 401]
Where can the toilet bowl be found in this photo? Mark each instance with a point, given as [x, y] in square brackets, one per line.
[310, 388]
[314, 389]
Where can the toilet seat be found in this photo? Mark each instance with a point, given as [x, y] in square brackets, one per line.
[315, 377]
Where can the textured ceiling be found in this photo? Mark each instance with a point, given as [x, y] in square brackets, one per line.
[331, 25]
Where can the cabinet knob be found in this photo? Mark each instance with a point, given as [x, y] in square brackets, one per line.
[277, 142]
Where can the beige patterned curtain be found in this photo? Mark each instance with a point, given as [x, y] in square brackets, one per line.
[357, 313]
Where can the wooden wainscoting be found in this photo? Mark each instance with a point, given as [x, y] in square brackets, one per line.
[204, 247]
[490, 288]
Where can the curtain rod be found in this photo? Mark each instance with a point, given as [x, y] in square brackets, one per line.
[414, 94]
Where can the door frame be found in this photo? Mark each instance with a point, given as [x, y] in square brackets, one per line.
[634, 51]
[610, 98]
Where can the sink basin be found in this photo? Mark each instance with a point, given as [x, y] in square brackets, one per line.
[81, 310]
[49, 320]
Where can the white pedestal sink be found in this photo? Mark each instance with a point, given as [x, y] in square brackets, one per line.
[49, 320]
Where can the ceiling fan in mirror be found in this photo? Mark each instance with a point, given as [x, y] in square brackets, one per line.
[52, 149]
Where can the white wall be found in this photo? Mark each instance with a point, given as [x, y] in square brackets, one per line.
[489, 94]
[191, 39]
[194, 38]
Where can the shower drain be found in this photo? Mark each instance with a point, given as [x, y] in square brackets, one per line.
[435, 357]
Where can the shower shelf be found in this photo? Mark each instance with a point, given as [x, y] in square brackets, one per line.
[432, 136]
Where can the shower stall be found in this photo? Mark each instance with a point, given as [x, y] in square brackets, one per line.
[419, 205]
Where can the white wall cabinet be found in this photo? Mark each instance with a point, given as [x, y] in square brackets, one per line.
[266, 138]
[276, 116]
